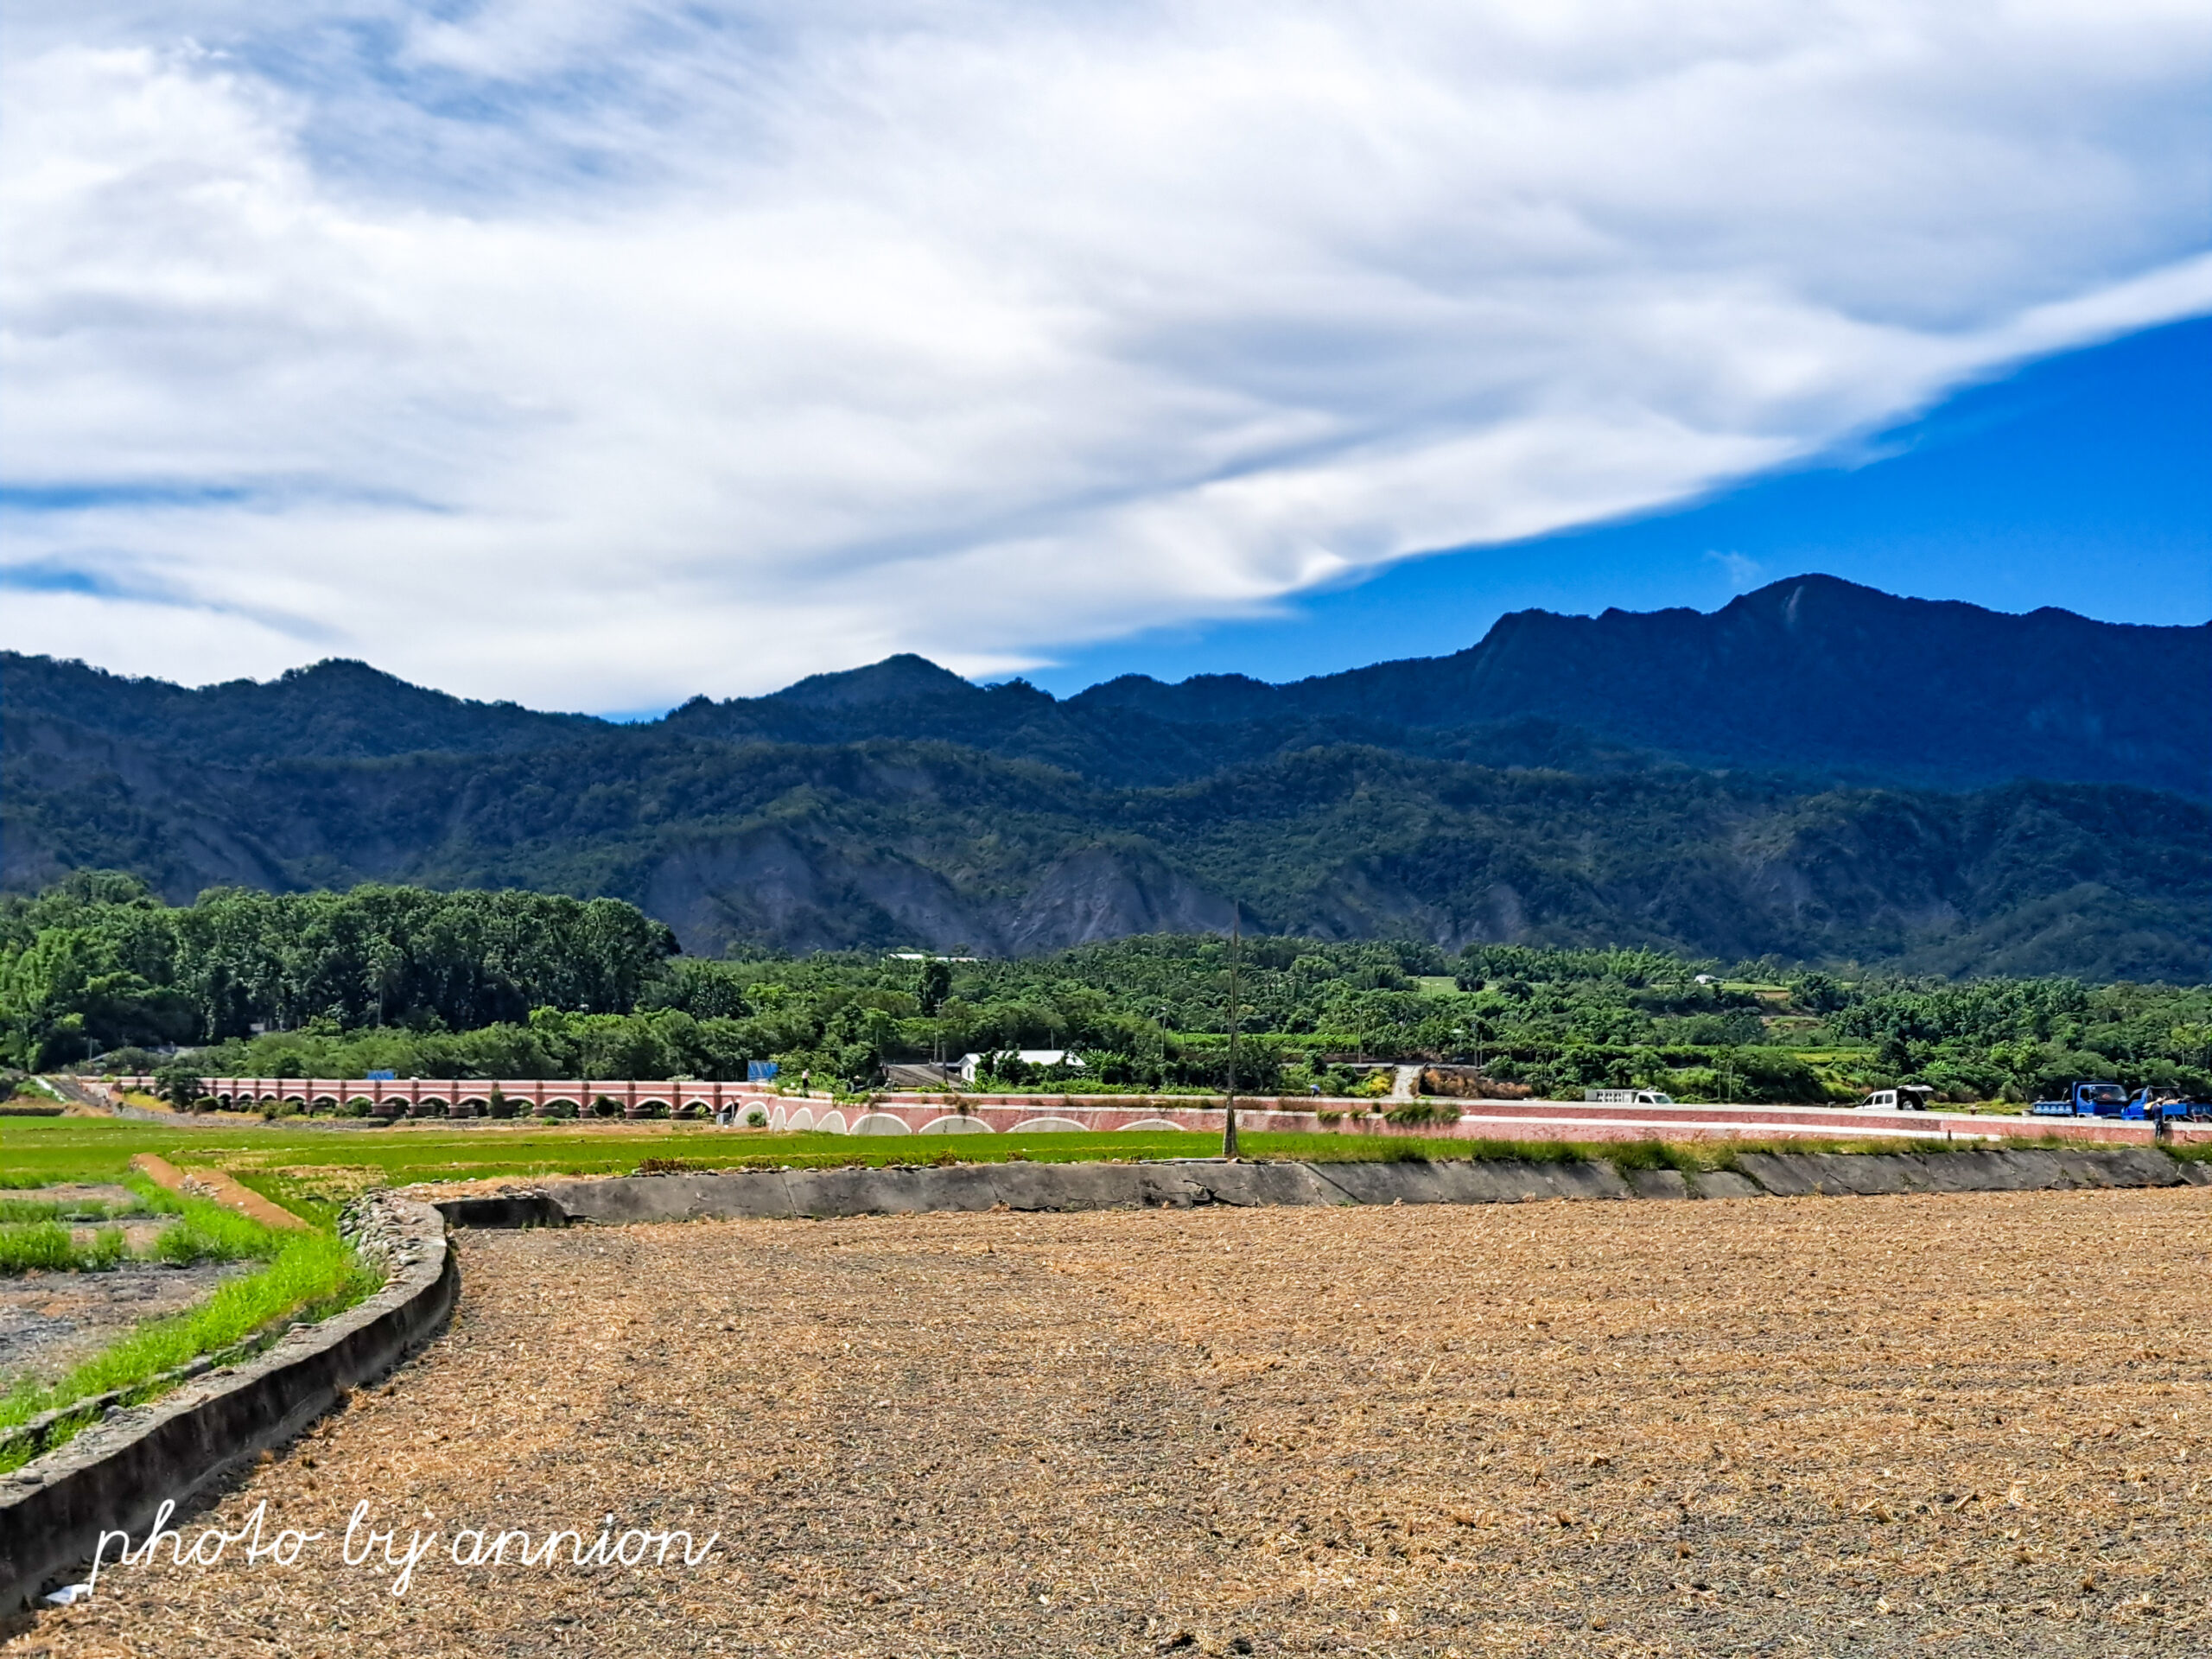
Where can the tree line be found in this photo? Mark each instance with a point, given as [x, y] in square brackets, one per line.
[514, 984]
[98, 963]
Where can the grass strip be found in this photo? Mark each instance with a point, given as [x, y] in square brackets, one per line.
[311, 1276]
[15, 1211]
[48, 1246]
[203, 1232]
[303, 1197]
[208, 1232]
[401, 1155]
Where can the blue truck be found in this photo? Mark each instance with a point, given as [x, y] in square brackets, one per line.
[2112, 1100]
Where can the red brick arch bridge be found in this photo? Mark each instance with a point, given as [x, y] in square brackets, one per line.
[926, 1114]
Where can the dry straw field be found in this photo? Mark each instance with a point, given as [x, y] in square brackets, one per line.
[1968, 1426]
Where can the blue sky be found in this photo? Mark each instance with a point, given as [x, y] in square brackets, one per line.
[594, 354]
[2083, 481]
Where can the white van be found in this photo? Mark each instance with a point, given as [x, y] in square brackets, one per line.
[1905, 1098]
[1627, 1098]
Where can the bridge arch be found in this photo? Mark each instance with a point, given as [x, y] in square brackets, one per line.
[955, 1123]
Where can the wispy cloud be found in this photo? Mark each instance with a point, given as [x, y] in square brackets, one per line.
[1745, 573]
[599, 354]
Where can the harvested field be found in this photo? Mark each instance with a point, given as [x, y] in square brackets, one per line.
[1961, 1425]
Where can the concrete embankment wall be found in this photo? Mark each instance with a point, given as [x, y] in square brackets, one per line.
[116, 1473]
[782, 1194]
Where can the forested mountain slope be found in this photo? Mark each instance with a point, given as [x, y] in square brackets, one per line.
[1819, 677]
[1822, 678]
[334, 709]
[899, 804]
[917, 844]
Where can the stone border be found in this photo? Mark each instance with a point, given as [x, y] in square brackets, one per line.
[117, 1471]
[793, 1194]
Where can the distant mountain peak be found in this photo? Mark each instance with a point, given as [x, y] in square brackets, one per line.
[895, 679]
[350, 672]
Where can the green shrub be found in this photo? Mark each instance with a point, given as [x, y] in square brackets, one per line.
[756, 1119]
[559, 1109]
[181, 1086]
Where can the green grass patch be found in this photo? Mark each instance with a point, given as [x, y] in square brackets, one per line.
[1690, 1157]
[302, 1195]
[306, 1275]
[48, 1246]
[312, 1276]
[208, 1232]
[21, 1211]
[1323, 1148]
[202, 1231]
[82, 1148]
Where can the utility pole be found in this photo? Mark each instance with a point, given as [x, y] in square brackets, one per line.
[1229, 1121]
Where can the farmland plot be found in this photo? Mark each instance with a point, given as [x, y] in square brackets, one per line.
[1969, 1426]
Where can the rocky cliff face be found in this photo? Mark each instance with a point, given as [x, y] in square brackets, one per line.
[893, 845]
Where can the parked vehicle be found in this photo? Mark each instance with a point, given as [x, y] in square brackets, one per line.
[2085, 1100]
[1627, 1098]
[1905, 1098]
[2144, 1107]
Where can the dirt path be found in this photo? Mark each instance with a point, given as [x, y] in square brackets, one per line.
[1867, 1426]
[224, 1188]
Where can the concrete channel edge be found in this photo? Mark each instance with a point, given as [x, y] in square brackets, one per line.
[793, 1194]
[117, 1471]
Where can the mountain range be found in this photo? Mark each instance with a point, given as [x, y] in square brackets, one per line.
[1817, 772]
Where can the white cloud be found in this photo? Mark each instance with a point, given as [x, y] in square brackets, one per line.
[596, 354]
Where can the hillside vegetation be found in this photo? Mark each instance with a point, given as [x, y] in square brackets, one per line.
[512, 985]
[1817, 772]
[900, 844]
